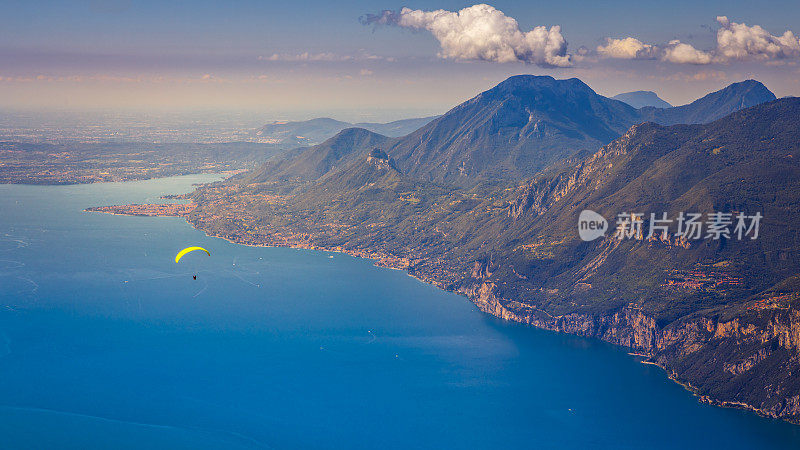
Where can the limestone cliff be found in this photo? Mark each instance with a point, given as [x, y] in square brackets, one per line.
[696, 351]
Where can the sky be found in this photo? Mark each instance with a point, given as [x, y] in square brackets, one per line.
[378, 60]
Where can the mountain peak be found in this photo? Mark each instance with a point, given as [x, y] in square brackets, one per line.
[749, 92]
[640, 99]
[352, 134]
[748, 82]
[756, 88]
[525, 83]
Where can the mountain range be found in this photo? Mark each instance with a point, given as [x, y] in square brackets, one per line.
[514, 130]
[485, 201]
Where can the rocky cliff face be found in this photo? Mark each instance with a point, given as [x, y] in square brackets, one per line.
[380, 160]
[690, 350]
[590, 173]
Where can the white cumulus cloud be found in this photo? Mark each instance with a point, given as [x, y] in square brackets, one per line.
[481, 32]
[738, 41]
[735, 41]
[680, 53]
[627, 48]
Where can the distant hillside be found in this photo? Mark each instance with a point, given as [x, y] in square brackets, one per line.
[309, 132]
[397, 128]
[713, 106]
[313, 162]
[300, 133]
[640, 99]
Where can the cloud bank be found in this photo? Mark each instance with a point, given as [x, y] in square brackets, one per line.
[627, 48]
[735, 42]
[481, 32]
[675, 51]
[680, 53]
[738, 41]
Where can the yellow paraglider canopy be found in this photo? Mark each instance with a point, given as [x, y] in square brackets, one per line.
[187, 250]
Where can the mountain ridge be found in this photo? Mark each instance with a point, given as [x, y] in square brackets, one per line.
[712, 106]
[525, 124]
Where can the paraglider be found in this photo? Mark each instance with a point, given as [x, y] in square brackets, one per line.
[187, 250]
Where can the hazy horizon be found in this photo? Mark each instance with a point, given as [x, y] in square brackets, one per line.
[377, 61]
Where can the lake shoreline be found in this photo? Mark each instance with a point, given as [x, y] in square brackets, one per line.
[481, 295]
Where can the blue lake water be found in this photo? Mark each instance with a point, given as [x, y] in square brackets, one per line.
[105, 342]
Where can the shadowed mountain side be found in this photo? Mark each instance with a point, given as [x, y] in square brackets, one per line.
[744, 162]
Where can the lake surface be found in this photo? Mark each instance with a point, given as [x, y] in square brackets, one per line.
[106, 342]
